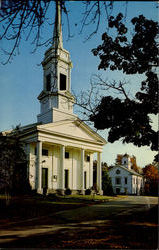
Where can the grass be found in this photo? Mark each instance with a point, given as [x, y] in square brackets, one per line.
[32, 206]
[89, 197]
[27, 207]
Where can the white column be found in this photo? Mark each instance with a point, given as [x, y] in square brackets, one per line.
[50, 169]
[132, 184]
[99, 173]
[82, 171]
[38, 167]
[28, 159]
[52, 166]
[91, 171]
[72, 170]
[62, 159]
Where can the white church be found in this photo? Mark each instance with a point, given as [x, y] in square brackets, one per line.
[124, 179]
[60, 147]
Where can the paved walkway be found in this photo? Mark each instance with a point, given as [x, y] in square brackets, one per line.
[104, 210]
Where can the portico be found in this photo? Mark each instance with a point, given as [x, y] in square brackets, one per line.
[66, 160]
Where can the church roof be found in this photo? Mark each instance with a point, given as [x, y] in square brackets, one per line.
[132, 172]
[20, 129]
[126, 155]
[74, 129]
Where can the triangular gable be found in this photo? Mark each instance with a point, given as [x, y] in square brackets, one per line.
[73, 128]
[132, 172]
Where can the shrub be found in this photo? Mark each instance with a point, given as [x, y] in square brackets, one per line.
[106, 184]
[88, 192]
[52, 197]
[68, 191]
[95, 188]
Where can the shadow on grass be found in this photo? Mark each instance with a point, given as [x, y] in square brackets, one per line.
[30, 207]
[138, 231]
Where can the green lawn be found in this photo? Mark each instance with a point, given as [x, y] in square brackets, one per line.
[31, 206]
[89, 197]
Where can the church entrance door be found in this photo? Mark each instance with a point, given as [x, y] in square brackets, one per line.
[66, 178]
[117, 190]
[44, 180]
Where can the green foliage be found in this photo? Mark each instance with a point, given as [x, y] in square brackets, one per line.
[129, 118]
[13, 164]
[106, 184]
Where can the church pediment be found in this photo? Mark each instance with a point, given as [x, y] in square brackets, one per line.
[75, 129]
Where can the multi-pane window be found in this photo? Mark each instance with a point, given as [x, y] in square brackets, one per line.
[88, 158]
[118, 180]
[126, 180]
[45, 152]
[67, 155]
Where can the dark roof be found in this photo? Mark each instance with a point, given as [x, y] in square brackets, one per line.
[126, 155]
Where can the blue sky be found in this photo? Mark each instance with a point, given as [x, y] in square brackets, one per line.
[21, 80]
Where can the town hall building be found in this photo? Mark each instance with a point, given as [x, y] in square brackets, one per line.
[60, 147]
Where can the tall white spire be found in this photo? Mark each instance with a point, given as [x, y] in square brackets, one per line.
[57, 35]
[56, 99]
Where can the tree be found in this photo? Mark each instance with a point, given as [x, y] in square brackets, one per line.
[24, 19]
[129, 118]
[13, 164]
[151, 176]
[106, 183]
[132, 159]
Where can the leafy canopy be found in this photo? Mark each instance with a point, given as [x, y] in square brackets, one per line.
[129, 118]
[13, 163]
[151, 175]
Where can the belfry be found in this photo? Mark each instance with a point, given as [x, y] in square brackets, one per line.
[56, 99]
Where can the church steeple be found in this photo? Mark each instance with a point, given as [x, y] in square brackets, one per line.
[56, 98]
[57, 35]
